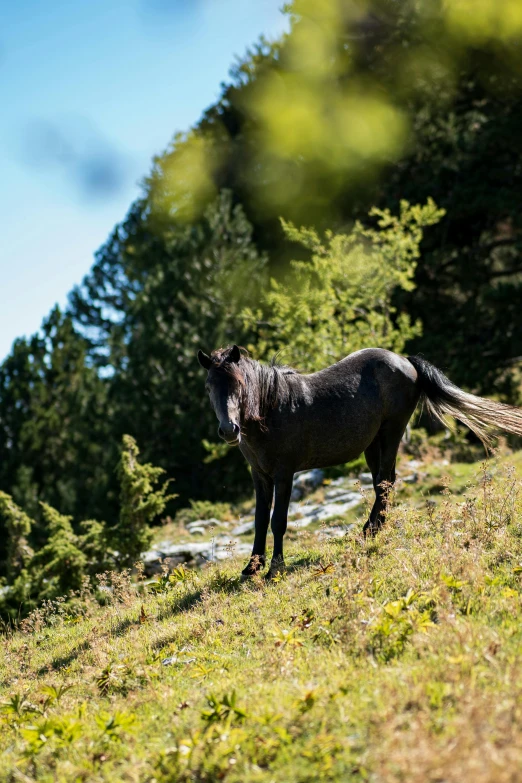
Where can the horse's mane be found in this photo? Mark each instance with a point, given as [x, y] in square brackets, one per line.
[263, 386]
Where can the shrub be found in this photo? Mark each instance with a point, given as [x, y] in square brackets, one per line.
[140, 503]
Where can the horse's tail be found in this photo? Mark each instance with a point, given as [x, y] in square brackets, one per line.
[443, 398]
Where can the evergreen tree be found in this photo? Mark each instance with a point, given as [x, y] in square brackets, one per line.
[59, 566]
[17, 526]
[54, 424]
[170, 288]
[140, 503]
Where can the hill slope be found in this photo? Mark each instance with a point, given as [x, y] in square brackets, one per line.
[392, 660]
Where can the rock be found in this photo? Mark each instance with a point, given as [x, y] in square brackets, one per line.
[330, 494]
[298, 524]
[186, 551]
[344, 496]
[197, 531]
[338, 482]
[318, 512]
[204, 523]
[335, 531]
[151, 555]
[171, 555]
[306, 482]
[366, 478]
[237, 549]
[328, 510]
[244, 528]
[411, 479]
[302, 509]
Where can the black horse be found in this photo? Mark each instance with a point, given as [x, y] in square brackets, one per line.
[284, 421]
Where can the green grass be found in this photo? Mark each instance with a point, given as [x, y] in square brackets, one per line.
[391, 660]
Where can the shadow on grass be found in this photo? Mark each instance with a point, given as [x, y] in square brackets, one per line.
[62, 661]
[184, 603]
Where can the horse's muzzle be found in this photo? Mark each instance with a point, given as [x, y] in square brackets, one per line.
[231, 434]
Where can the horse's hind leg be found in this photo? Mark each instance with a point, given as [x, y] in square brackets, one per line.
[381, 456]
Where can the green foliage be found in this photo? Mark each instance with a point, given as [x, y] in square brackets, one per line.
[223, 709]
[140, 503]
[397, 622]
[341, 300]
[180, 287]
[55, 570]
[53, 419]
[59, 566]
[17, 526]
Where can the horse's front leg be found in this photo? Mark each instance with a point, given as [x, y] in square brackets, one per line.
[283, 490]
[264, 487]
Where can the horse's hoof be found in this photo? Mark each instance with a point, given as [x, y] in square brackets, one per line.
[277, 569]
[246, 577]
[255, 565]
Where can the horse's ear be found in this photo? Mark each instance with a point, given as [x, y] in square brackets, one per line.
[234, 355]
[204, 360]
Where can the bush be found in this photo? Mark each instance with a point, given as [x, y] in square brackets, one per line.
[140, 503]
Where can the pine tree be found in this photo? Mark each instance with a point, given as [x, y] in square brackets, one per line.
[17, 526]
[140, 503]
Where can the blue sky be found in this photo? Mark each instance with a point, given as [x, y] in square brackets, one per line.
[89, 92]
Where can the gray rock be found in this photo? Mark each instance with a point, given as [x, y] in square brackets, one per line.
[151, 555]
[188, 550]
[345, 496]
[197, 531]
[306, 482]
[238, 548]
[336, 531]
[336, 492]
[298, 524]
[328, 510]
[204, 523]
[366, 478]
[302, 509]
[243, 528]
[171, 555]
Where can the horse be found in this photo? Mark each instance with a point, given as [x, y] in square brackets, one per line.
[284, 421]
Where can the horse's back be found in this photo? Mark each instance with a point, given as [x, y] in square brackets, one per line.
[373, 373]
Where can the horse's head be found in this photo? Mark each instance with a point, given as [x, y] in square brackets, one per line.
[224, 385]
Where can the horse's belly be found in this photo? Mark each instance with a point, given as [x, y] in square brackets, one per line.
[334, 445]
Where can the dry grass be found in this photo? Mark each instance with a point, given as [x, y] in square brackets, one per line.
[394, 660]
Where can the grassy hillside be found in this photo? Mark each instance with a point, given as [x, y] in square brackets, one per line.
[396, 660]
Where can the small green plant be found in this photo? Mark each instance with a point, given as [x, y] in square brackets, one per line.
[111, 679]
[398, 620]
[62, 732]
[113, 726]
[167, 581]
[224, 709]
